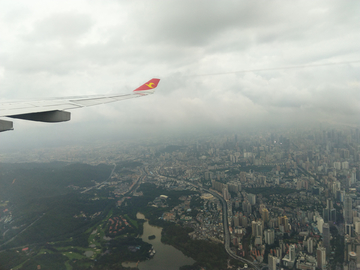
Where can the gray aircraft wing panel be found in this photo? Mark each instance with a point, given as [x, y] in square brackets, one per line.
[53, 110]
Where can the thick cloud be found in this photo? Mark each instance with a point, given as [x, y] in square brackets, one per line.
[89, 47]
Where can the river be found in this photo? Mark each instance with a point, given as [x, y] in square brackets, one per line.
[166, 256]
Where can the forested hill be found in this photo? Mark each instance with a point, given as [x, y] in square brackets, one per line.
[22, 182]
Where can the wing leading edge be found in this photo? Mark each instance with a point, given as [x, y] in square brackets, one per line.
[52, 110]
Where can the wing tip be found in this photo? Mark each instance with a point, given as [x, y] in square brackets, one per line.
[148, 86]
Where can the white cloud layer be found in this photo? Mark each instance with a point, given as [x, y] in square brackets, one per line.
[59, 48]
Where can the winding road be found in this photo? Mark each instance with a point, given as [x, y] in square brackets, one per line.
[226, 227]
[227, 232]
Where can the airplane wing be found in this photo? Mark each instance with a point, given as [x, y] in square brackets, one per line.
[53, 110]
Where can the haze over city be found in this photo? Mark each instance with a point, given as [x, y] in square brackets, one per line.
[247, 156]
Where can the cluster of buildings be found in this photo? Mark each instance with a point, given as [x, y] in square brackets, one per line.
[117, 224]
[292, 195]
[310, 214]
[206, 220]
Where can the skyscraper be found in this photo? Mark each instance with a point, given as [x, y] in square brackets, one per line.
[332, 215]
[329, 203]
[348, 209]
[310, 245]
[320, 223]
[265, 215]
[252, 198]
[269, 236]
[321, 257]
[226, 194]
[236, 220]
[292, 253]
[326, 214]
[357, 224]
[272, 262]
[352, 260]
[326, 237]
[284, 222]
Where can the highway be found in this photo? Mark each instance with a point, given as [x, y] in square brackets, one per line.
[99, 184]
[22, 231]
[227, 232]
[226, 227]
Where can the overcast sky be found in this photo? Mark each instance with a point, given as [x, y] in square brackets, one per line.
[69, 48]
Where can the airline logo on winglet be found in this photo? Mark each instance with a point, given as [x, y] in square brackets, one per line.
[150, 85]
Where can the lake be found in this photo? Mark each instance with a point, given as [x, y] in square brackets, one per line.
[166, 256]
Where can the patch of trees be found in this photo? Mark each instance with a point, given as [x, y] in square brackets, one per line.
[48, 261]
[10, 259]
[23, 185]
[119, 252]
[207, 254]
[196, 202]
[58, 223]
[338, 242]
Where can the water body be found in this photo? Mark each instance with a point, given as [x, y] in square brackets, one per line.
[166, 256]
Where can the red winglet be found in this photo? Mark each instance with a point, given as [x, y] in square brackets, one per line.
[150, 85]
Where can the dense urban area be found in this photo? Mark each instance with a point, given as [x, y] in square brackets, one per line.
[277, 199]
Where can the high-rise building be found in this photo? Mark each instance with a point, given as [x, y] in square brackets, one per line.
[345, 165]
[265, 215]
[329, 213]
[348, 209]
[289, 259]
[292, 253]
[262, 179]
[282, 246]
[226, 194]
[310, 245]
[321, 257]
[284, 222]
[269, 236]
[337, 165]
[320, 223]
[332, 216]
[326, 214]
[272, 260]
[350, 230]
[234, 186]
[244, 221]
[253, 228]
[329, 203]
[257, 228]
[326, 237]
[236, 221]
[246, 206]
[352, 261]
[252, 198]
[357, 224]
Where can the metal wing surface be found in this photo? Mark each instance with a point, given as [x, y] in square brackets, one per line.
[53, 110]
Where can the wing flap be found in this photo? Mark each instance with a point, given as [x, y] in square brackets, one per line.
[35, 107]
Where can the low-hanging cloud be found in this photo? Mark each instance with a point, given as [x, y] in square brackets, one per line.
[85, 47]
